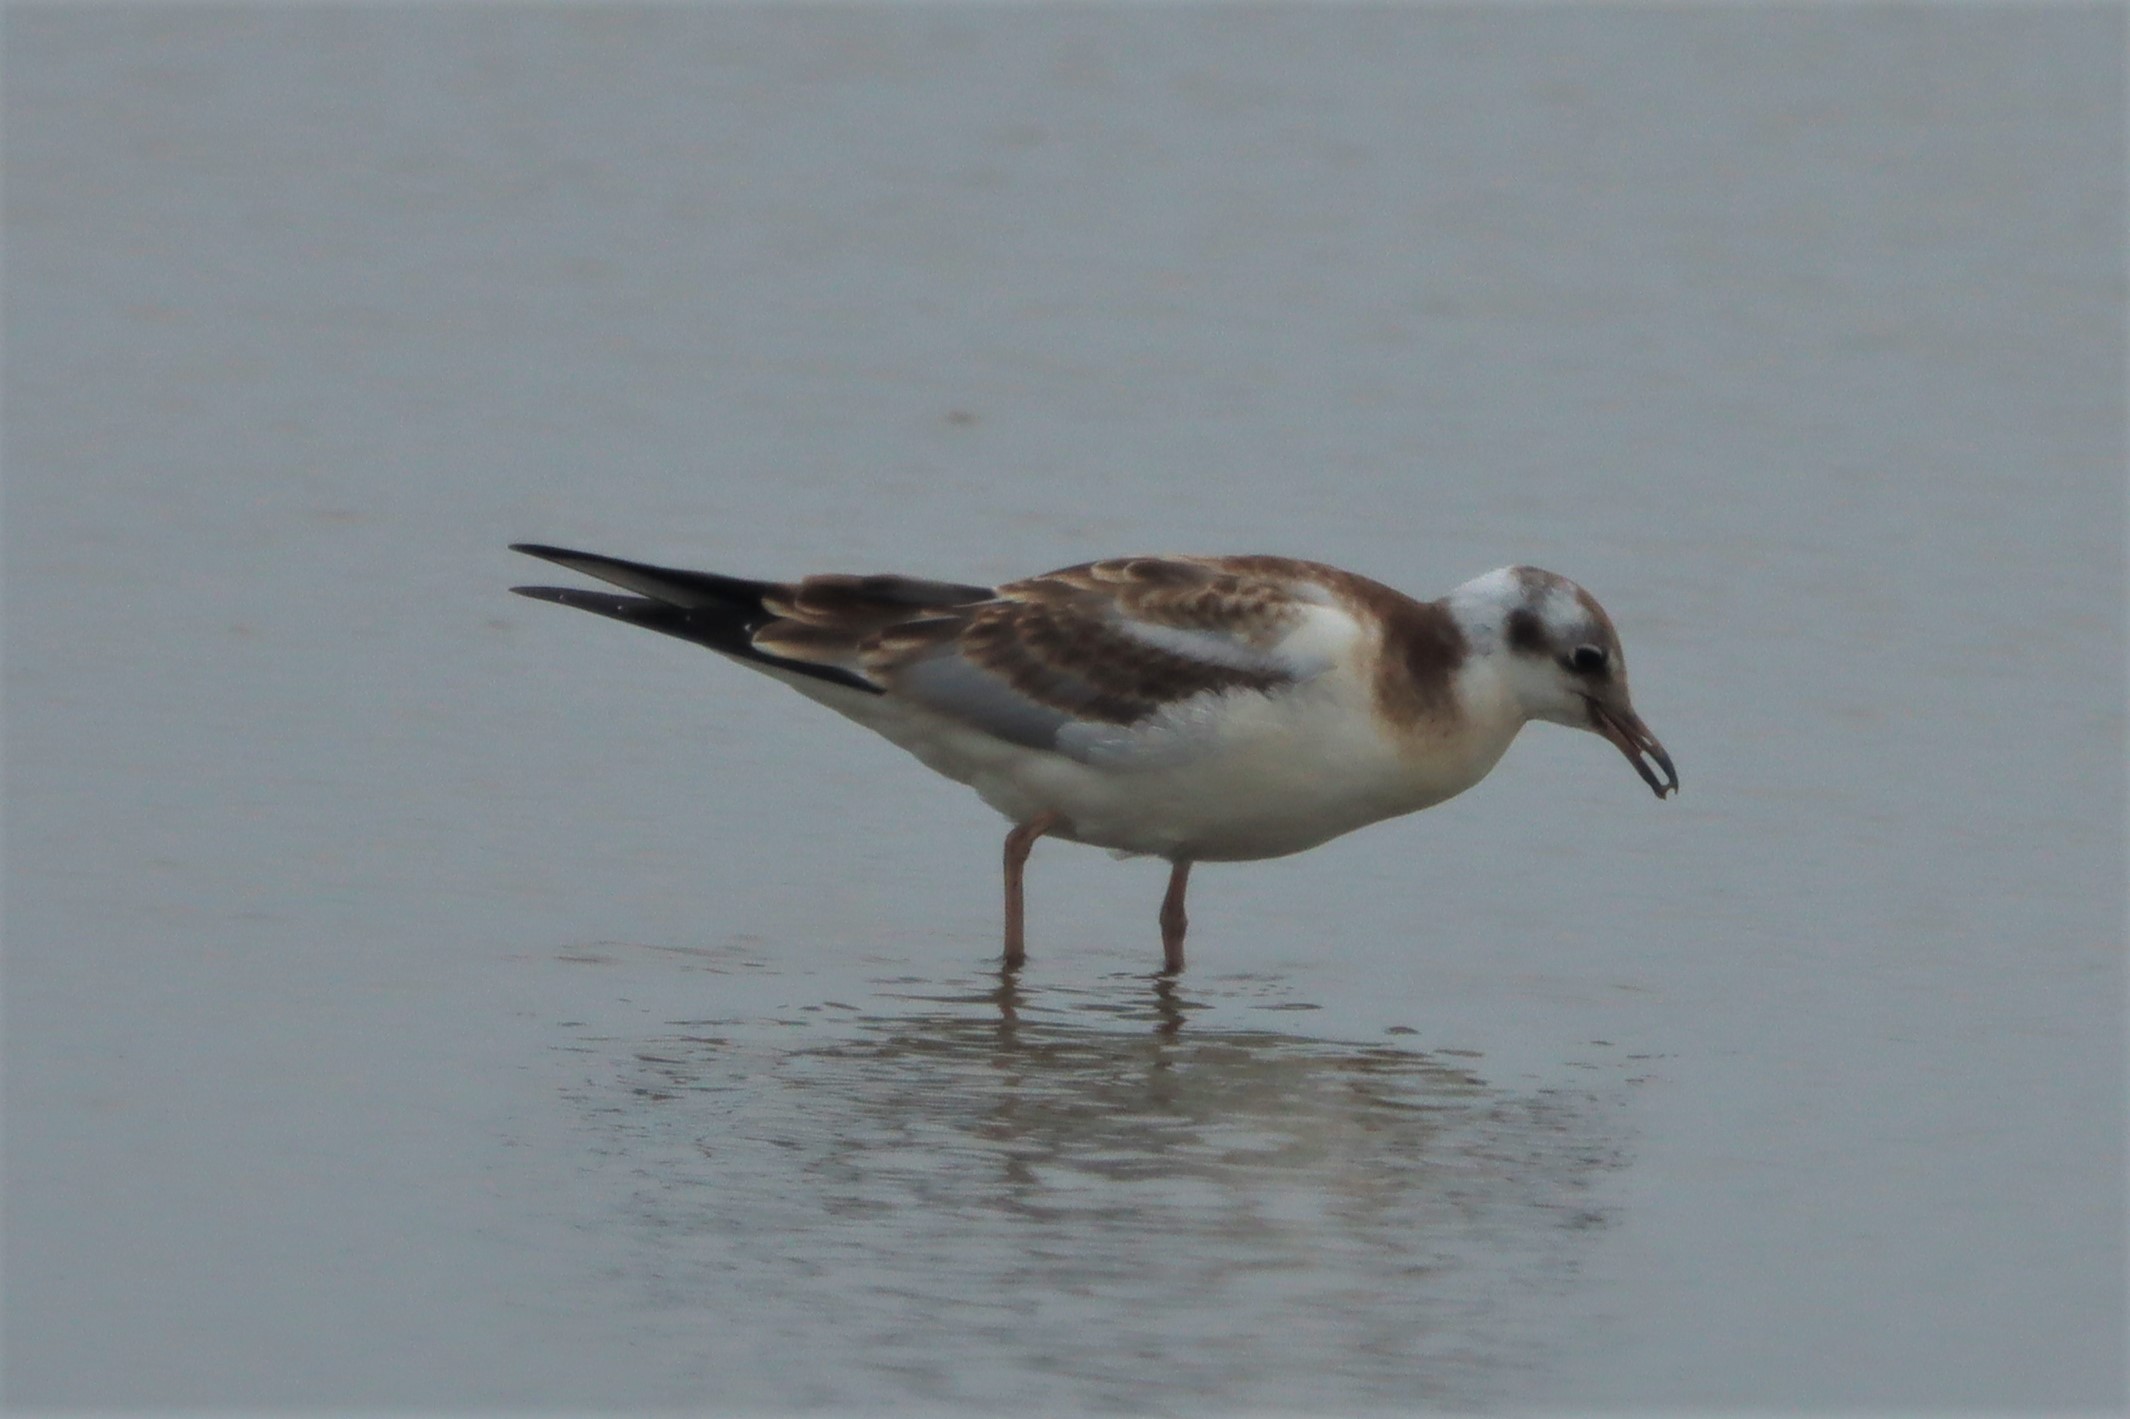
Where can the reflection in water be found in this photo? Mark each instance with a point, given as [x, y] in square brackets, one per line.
[1093, 1200]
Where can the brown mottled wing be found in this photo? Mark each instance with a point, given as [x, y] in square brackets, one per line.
[1065, 661]
[1109, 643]
[841, 621]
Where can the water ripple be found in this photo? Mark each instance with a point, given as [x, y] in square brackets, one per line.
[1106, 1198]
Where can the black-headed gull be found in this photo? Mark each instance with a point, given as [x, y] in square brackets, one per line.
[1187, 708]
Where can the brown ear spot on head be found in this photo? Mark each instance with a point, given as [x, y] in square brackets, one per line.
[1526, 633]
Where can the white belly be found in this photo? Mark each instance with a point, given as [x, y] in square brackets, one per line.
[1235, 778]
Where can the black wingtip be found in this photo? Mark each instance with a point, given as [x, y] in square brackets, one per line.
[694, 590]
[544, 552]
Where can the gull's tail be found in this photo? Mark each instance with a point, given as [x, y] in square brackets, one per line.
[721, 612]
[813, 628]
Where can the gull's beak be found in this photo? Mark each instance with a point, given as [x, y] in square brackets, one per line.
[1632, 737]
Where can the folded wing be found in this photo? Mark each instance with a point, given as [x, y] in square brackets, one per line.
[1047, 662]
[1114, 644]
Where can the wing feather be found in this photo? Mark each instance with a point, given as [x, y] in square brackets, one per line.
[1071, 660]
[1109, 643]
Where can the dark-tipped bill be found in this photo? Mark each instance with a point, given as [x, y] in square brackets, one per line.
[1632, 737]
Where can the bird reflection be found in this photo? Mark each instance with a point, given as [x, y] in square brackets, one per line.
[1272, 1219]
[1167, 1005]
[1030, 1086]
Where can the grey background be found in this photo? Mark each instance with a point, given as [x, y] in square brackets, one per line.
[418, 997]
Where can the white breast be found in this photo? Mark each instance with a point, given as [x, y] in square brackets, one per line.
[1224, 777]
[1221, 777]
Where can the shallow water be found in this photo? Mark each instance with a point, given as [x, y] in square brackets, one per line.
[970, 1184]
[419, 997]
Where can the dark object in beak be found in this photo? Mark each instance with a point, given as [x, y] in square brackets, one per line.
[1632, 738]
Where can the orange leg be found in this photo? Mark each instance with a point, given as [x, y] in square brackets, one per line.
[1173, 922]
[1018, 844]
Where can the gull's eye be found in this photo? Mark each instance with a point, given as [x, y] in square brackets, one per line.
[1587, 659]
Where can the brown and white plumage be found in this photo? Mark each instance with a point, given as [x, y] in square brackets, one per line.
[1190, 708]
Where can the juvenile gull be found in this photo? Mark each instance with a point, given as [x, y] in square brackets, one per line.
[1189, 708]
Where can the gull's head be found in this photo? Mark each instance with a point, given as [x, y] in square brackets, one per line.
[1557, 652]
